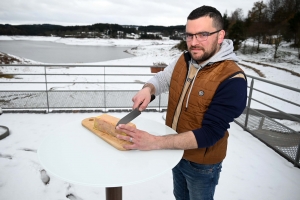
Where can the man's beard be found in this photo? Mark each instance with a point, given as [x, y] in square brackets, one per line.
[207, 54]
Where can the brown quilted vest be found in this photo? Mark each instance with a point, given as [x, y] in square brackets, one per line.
[207, 81]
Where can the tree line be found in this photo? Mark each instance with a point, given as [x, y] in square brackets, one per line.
[62, 31]
[96, 30]
[271, 22]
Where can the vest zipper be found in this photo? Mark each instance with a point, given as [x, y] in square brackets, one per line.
[178, 109]
[189, 80]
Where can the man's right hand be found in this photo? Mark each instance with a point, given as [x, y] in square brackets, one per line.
[142, 98]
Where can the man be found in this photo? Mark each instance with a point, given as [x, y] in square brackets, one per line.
[207, 90]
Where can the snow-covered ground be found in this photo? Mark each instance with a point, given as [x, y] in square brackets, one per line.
[251, 170]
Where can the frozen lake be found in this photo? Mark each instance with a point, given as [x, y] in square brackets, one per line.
[53, 52]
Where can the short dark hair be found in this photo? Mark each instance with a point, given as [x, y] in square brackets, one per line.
[210, 12]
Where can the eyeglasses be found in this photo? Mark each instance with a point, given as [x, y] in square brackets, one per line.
[201, 36]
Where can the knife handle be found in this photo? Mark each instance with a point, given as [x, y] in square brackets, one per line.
[152, 97]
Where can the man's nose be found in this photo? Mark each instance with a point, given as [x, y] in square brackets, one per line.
[194, 40]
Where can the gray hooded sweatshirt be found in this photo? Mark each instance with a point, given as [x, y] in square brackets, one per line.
[161, 80]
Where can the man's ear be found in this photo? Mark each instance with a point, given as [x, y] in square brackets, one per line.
[221, 36]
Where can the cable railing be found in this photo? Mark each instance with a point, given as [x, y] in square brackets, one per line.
[110, 88]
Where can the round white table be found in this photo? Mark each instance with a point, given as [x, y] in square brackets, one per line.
[76, 155]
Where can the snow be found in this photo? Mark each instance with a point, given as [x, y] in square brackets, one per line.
[250, 171]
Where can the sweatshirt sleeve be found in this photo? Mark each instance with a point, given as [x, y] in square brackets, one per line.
[162, 79]
[228, 103]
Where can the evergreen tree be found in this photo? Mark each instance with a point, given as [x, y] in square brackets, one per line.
[237, 34]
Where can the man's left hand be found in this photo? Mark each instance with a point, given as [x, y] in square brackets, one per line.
[140, 140]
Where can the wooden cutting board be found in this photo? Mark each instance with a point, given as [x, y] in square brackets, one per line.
[115, 142]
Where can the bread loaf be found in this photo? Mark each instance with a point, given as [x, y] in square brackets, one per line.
[107, 124]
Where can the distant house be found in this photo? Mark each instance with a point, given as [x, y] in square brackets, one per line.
[132, 36]
[155, 33]
[271, 39]
[120, 34]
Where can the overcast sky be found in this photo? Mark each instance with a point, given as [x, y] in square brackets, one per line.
[123, 12]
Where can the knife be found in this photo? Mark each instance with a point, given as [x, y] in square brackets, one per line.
[133, 114]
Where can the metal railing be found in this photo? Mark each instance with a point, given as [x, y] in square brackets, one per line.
[261, 123]
[56, 87]
[109, 88]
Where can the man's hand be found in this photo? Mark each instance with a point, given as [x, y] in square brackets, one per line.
[141, 140]
[143, 97]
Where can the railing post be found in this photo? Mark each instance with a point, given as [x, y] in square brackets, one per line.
[159, 101]
[249, 104]
[105, 110]
[297, 158]
[46, 83]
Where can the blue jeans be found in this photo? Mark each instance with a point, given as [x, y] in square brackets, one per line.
[193, 181]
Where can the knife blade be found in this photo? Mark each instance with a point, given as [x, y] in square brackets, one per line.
[133, 114]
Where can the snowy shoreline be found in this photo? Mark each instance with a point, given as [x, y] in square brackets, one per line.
[145, 52]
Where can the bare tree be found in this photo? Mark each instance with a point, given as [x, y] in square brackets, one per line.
[281, 15]
[273, 7]
[237, 15]
[258, 17]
